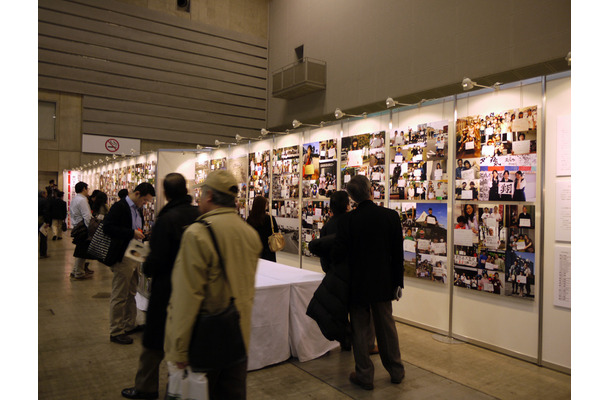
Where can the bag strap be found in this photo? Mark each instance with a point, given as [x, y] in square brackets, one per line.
[271, 220]
[208, 225]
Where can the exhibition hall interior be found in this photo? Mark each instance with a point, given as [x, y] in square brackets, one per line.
[457, 113]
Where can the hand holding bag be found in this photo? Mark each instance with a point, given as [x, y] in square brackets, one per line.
[184, 384]
[79, 233]
[276, 240]
[216, 341]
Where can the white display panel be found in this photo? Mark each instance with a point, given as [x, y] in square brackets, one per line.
[508, 324]
[556, 322]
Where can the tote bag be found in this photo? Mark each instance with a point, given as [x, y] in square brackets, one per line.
[100, 246]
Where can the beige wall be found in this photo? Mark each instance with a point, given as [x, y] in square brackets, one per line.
[245, 16]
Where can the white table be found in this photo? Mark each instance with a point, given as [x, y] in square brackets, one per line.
[305, 338]
[269, 332]
[280, 327]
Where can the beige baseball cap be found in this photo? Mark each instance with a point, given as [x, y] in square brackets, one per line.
[222, 181]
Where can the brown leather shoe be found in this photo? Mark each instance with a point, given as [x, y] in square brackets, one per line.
[374, 350]
[354, 379]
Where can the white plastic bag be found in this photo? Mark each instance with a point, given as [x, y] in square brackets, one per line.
[184, 384]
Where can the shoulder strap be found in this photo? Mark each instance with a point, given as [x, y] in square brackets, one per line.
[220, 260]
[271, 220]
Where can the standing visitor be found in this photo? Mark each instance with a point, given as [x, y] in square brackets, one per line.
[44, 219]
[376, 278]
[59, 212]
[165, 238]
[80, 211]
[123, 223]
[205, 280]
[260, 220]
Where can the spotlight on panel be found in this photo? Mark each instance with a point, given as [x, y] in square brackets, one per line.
[468, 84]
[340, 114]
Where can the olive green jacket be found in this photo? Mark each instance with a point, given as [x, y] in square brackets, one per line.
[198, 283]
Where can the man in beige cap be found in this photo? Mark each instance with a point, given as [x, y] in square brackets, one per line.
[199, 285]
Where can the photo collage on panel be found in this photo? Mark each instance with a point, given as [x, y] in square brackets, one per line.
[494, 248]
[424, 228]
[496, 156]
[418, 162]
[238, 166]
[258, 182]
[202, 169]
[285, 191]
[365, 155]
[319, 182]
[111, 181]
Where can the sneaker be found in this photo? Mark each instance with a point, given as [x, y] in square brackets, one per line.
[88, 271]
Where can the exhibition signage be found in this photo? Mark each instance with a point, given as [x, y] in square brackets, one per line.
[110, 145]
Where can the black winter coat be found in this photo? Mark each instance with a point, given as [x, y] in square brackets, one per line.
[369, 239]
[329, 304]
[59, 209]
[117, 224]
[322, 247]
[264, 231]
[165, 239]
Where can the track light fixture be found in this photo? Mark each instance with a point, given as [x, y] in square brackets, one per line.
[296, 123]
[239, 138]
[468, 84]
[265, 132]
[340, 114]
[218, 143]
[391, 103]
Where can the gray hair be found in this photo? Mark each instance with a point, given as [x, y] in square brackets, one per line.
[359, 188]
[219, 198]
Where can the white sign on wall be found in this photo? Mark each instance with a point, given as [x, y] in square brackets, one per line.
[110, 145]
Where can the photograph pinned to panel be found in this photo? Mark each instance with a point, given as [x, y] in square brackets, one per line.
[424, 227]
[418, 162]
[365, 155]
[493, 249]
[503, 145]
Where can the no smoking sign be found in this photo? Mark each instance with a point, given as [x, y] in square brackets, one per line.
[112, 145]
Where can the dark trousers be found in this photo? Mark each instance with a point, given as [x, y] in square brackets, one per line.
[228, 383]
[387, 340]
[147, 377]
[43, 241]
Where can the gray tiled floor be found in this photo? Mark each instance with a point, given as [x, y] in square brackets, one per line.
[77, 361]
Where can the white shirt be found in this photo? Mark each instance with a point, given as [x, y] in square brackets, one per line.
[79, 210]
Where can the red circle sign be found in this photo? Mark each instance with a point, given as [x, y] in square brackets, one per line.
[112, 145]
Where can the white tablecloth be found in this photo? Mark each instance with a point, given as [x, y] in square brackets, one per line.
[269, 335]
[305, 338]
[280, 327]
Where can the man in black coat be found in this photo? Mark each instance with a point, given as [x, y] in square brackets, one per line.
[59, 212]
[369, 239]
[123, 223]
[44, 218]
[171, 222]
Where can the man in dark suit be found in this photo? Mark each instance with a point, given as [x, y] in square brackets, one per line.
[369, 239]
[123, 223]
[165, 238]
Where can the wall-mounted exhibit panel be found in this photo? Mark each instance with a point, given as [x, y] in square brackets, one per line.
[556, 343]
[495, 233]
[419, 144]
